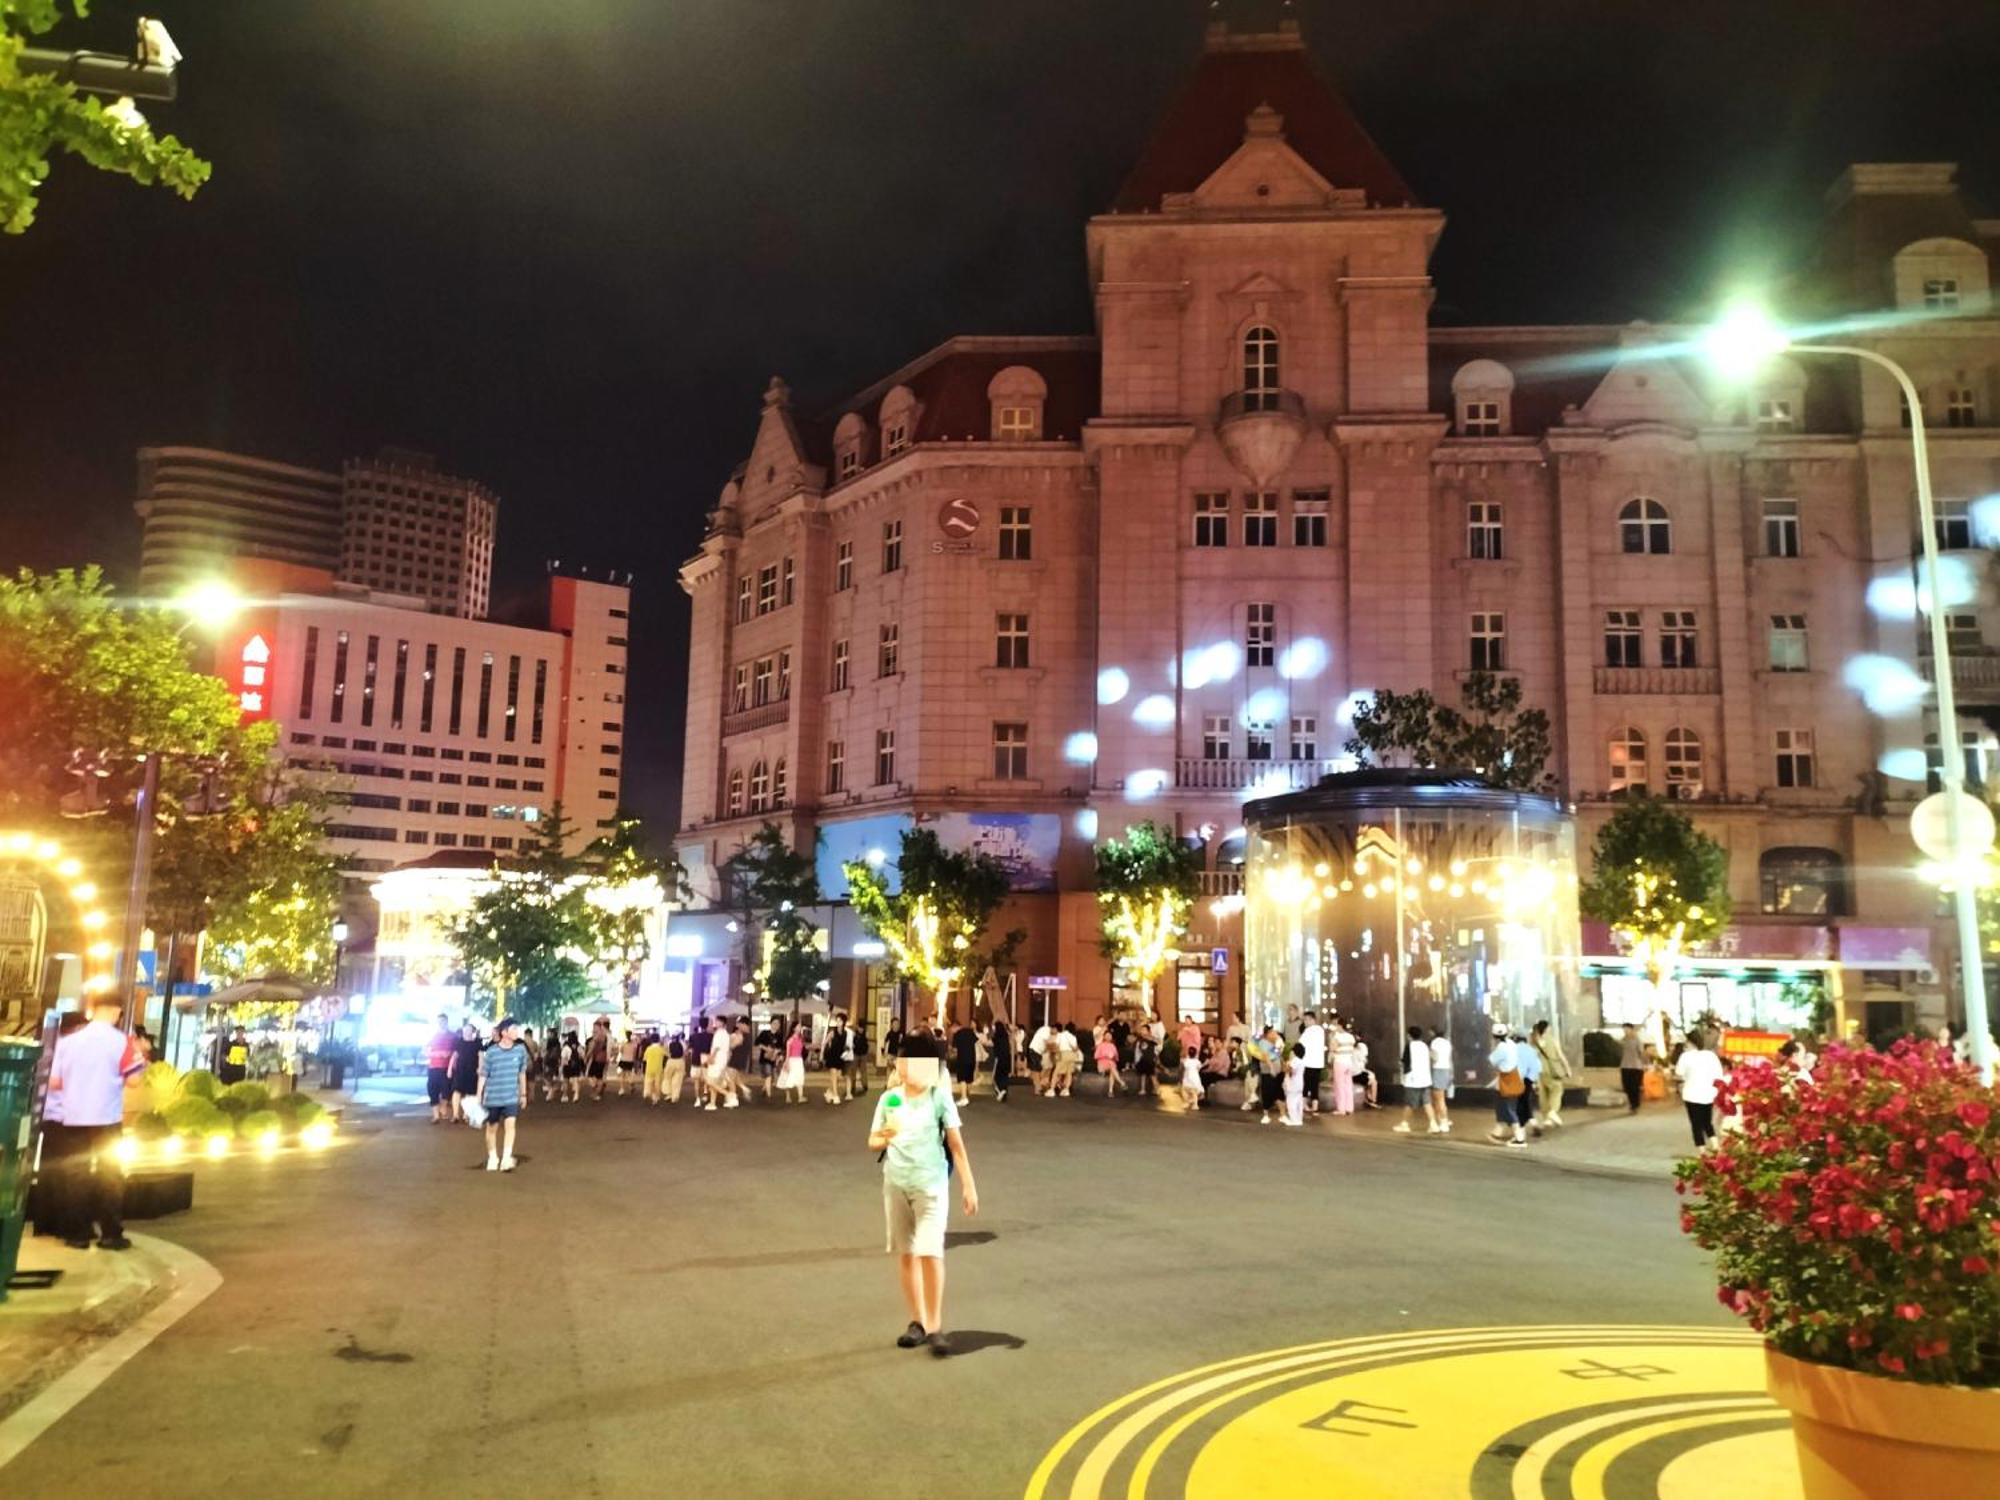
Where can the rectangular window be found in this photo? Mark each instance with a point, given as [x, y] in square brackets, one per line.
[1010, 640]
[430, 688]
[339, 676]
[1788, 643]
[456, 719]
[402, 677]
[850, 462]
[787, 579]
[1961, 631]
[1309, 509]
[1484, 535]
[308, 670]
[888, 651]
[1014, 424]
[1960, 409]
[744, 598]
[895, 438]
[1623, 639]
[1211, 520]
[784, 676]
[892, 546]
[1489, 642]
[836, 767]
[839, 675]
[1260, 635]
[370, 660]
[449, 809]
[485, 714]
[1479, 418]
[1795, 757]
[541, 693]
[1305, 736]
[767, 589]
[1954, 525]
[885, 757]
[1016, 537]
[1781, 528]
[513, 696]
[843, 567]
[1257, 740]
[1010, 752]
[760, 682]
[1260, 520]
[1215, 739]
[1941, 293]
[1679, 646]
[1774, 415]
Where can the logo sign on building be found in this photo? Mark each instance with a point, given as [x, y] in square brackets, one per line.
[1218, 960]
[253, 685]
[957, 520]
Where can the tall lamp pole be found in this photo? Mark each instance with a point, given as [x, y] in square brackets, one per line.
[1748, 337]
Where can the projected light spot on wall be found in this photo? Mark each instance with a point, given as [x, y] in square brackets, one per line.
[1146, 784]
[1265, 706]
[1112, 685]
[1354, 701]
[1215, 662]
[1080, 749]
[1905, 764]
[1303, 659]
[1898, 596]
[1985, 514]
[1154, 711]
[1888, 686]
[1086, 823]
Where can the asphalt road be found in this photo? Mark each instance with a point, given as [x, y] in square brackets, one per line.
[663, 1302]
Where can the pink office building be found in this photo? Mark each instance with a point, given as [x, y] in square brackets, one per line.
[1030, 590]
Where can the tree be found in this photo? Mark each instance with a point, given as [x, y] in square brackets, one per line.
[1145, 884]
[40, 114]
[1491, 734]
[625, 886]
[1658, 882]
[943, 901]
[530, 934]
[776, 885]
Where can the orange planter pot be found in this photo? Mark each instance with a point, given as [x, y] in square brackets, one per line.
[1866, 1437]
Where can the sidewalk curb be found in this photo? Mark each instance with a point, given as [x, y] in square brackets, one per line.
[113, 1329]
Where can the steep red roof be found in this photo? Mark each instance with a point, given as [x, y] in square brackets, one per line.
[1204, 126]
[950, 386]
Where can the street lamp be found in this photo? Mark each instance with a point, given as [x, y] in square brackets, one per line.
[1745, 338]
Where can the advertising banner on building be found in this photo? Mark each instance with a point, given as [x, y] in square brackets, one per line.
[1027, 844]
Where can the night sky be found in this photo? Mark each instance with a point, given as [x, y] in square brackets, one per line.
[564, 243]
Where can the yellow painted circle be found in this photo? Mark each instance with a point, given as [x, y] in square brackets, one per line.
[1523, 1413]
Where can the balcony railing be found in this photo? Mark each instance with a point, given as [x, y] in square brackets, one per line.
[1222, 882]
[761, 717]
[1971, 671]
[1657, 681]
[1261, 404]
[1193, 773]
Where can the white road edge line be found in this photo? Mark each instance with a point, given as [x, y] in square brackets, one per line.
[194, 1279]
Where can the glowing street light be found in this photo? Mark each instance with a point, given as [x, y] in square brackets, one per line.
[1745, 338]
[210, 604]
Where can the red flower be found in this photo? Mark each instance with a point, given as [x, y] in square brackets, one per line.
[1891, 1362]
[1976, 1265]
[1974, 1114]
[1909, 1312]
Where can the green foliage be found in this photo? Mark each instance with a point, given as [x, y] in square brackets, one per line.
[627, 883]
[258, 1122]
[1145, 884]
[40, 115]
[245, 1097]
[775, 885]
[297, 1111]
[160, 1084]
[1601, 1049]
[200, 1084]
[1491, 734]
[1657, 880]
[944, 899]
[195, 1115]
[152, 1126]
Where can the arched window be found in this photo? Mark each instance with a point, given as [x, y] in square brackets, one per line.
[778, 783]
[1683, 764]
[1016, 397]
[760, 787]
[1260, 369]
[1628, 762]
[850, 445]
[1803, 882]
[736, 793]
[1643, 527]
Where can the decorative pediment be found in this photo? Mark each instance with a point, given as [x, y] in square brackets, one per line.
[777, 464]
[1643, 387]
[1266, 173]
[1260, 287]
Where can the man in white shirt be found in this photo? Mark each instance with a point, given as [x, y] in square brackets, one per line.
[1043, 1057]
[1442, 1084]
[88, 1074]
[1700, 1073]
[719, 1081]
[1313, 1039]
[1417, 1083]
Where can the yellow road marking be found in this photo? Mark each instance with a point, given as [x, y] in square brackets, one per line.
[1672, 1412]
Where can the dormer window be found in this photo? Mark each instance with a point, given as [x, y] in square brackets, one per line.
[1941, 293]
[898, 420]
[1775, 415]
[1942, 277]
[895, 438]
[850, 441]
[1483, 393]
[1017, 396]
[850, 463]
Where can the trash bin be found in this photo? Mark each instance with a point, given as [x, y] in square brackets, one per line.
[17, 1097]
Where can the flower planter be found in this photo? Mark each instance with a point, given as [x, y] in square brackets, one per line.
[1863, 1437]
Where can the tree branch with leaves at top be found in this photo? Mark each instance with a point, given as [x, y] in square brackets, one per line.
[1146, 883]
[1658, 882]
[943, 900]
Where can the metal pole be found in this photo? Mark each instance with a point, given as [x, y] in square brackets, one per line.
[144, 809]
[1965, 896]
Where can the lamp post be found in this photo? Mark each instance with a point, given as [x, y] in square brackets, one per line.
[1746, 338]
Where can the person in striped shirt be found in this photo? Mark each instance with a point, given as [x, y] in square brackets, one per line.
[503, 1071]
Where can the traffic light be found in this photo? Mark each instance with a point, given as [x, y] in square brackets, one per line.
[104, 73]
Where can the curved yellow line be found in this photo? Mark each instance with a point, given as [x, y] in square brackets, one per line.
[1672, 1410]
[1587, 1478]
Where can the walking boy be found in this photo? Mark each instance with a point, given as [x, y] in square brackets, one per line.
[503, 1069]
[1417, 1083]
[916, 1130]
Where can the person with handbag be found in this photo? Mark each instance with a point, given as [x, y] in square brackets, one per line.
[1508, 1087]
[1555, 1070]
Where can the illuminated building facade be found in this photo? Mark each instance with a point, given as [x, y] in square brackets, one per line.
[1028, 590]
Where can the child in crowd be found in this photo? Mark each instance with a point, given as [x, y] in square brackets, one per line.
[1145, 1061]
[1191, 1089]
[1295, 1086]
[1107, 1064]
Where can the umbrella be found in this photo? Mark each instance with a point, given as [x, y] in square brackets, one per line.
[271, 989]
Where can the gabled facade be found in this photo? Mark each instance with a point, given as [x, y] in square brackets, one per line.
[1051, 586]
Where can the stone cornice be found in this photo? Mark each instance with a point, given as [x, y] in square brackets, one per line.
[1114, 434]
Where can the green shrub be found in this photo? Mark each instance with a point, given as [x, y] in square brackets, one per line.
[160, 1085]
[257, 1122]
[302, 1111]
[251, 1096]
[151, 1126]
[197, 1116]
[200, 1084]
[1601, 1049]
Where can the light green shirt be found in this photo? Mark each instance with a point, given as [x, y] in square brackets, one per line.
[915, 1161]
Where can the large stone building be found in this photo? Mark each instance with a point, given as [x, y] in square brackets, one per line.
[1034, 589]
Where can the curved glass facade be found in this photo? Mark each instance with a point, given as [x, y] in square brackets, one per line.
[1414, 898]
